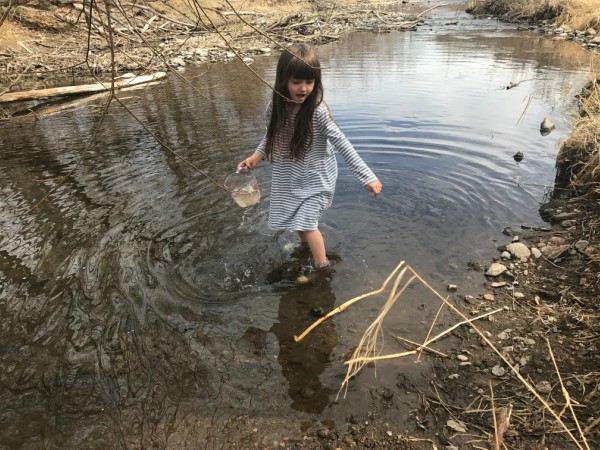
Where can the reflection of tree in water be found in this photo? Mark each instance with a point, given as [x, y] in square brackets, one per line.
[303, 362]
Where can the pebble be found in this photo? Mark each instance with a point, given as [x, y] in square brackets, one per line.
[498, 370]
[543, 387]
[323, 433]
[503, 335]
[496, 269]
[462, 358]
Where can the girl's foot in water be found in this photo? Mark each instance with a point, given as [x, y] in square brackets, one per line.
[323, 268]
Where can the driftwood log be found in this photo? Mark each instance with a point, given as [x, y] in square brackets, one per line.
[21, 96]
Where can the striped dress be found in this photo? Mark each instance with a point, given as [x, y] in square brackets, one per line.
[301, 190]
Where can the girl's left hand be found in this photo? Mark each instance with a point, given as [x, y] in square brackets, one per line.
[374, 187]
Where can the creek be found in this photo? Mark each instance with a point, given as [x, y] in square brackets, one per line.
[142, 307]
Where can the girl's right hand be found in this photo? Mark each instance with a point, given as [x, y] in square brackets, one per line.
[251, 162]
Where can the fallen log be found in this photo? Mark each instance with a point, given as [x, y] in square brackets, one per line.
[9, 97]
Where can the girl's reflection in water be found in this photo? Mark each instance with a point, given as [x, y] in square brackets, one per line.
[303, 362]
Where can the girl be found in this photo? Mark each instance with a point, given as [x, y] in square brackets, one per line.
[300, 141]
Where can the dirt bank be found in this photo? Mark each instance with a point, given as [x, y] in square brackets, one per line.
[38, 45]
[547, 329]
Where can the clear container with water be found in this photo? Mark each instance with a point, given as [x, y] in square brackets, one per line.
[243, 187]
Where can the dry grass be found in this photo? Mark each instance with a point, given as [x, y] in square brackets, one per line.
[582, 147]
[578, 14]
[581, 14]
[519, 10]
[10, 35]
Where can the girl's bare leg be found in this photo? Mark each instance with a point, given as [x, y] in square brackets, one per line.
[315, 242]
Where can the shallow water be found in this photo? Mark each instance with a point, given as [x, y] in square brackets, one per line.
[142, 307]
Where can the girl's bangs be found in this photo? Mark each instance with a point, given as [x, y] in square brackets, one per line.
[302, 70]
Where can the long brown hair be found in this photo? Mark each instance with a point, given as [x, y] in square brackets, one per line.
[297, 61]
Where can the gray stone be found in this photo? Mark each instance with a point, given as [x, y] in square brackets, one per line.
[518, 250]
[544, 387]
[176, 62]
[554, 252]
[547, 125]
[496, 269]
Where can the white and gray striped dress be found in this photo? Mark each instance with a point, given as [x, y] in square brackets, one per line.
[301, 190]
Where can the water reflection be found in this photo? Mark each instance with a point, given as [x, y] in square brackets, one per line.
[303, 363]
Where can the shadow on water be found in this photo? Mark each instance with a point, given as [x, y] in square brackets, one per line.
[303, 363]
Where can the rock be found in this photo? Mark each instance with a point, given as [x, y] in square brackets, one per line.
[489, 297]
[508, 231]
[475, 265]
[177, 62]
[547, 126]
[496, 269]
[247, 60]
[536, 252]
[503, 335]
[265, 50]
[454, 425]
[454, 376]
[518, 250]
[519, 295]
[505, 255]
[462, 358]
[498, 284]
[518, 157]
[557, 240]
[581, 245]
[498, 370]
[452, 288]
[554, 252]
[543, 387]
[590, 32]
[323, 433]
[387, 393]
[317, 311]
[302, 279]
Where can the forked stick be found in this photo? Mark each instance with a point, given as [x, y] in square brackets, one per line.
[346, 304]
[368, 342]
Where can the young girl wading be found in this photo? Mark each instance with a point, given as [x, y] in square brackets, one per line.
[300, 142]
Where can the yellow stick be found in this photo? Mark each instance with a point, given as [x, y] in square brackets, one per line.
[427, 342]
[432, 324]
[567, 396]
[345, 305]
[421, 346]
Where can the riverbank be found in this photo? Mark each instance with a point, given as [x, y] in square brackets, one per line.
[544, 281]
[39, 45]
